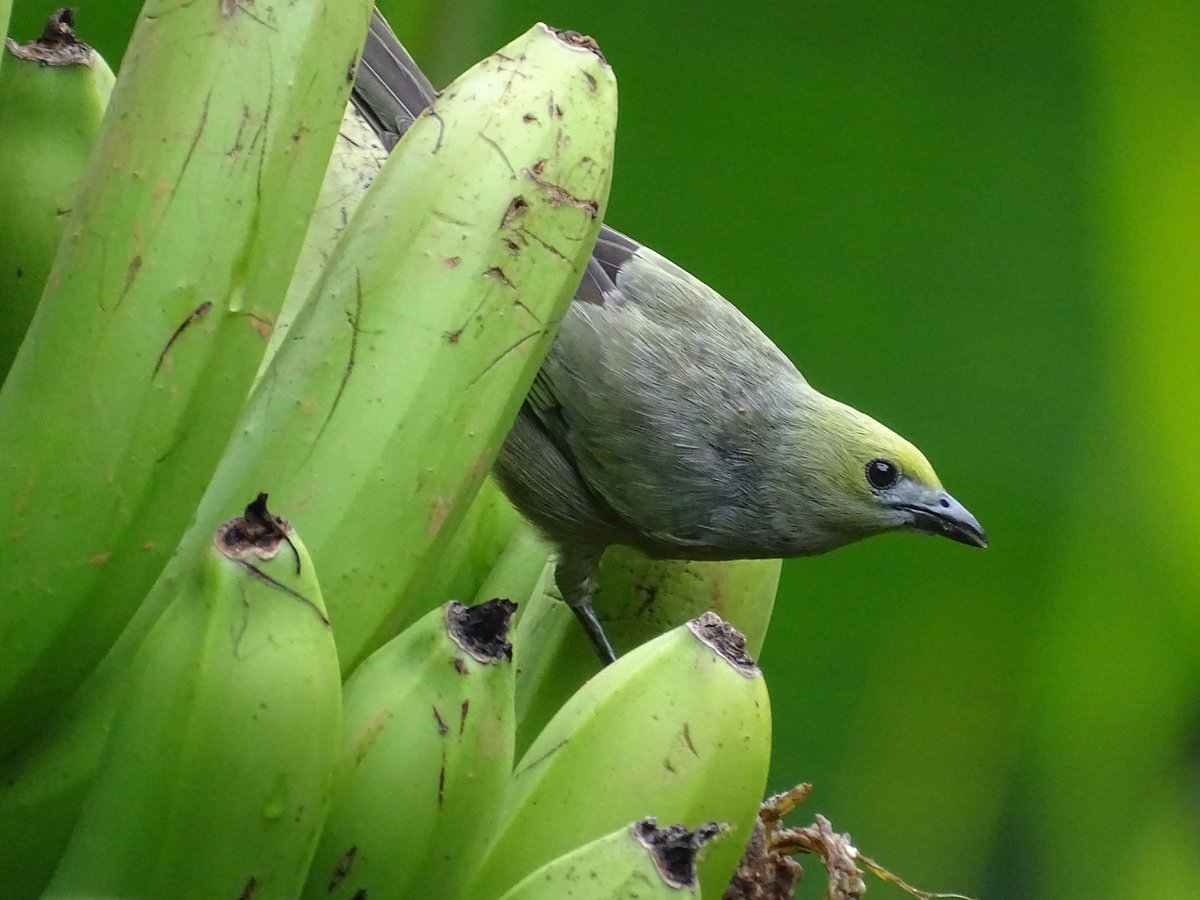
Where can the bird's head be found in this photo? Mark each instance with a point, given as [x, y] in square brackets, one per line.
[868, 479]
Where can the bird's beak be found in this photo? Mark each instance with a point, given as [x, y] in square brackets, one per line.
[936, 512]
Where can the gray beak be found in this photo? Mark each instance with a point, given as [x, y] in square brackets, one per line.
[939, 513]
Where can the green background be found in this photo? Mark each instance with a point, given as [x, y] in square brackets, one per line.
[977, 223]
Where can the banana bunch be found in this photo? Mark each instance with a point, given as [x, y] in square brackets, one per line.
[244, 297]
[176, 250]
[427, 800]
[681, 724]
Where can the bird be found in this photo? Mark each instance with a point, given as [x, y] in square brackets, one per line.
[663, 419]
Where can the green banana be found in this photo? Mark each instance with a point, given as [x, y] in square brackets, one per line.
[218, 771]
[681, 724]
[274, 442]
[638, 598]
[638, 862]
[53, 93]
[426, 756]
[180, 243]
[392, 393]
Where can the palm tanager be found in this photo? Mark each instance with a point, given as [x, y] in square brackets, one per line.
[663, 419]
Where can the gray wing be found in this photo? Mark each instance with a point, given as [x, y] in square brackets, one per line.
[663, 379]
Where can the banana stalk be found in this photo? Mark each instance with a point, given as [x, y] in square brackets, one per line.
[218, 772]
[637, 600]
[681, 726]
[427, 752]
[638, 862]
[53, 93]
[146, 339]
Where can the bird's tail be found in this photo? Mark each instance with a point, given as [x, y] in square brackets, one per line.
[390, 90]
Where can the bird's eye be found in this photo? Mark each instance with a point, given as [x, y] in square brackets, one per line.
[882, 473]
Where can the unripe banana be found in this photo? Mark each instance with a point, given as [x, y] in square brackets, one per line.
[180, 244]
[638, 598]
[53, 93]
[392, 393]
[680, 725]
[426, 756]
[398, 363]
[217, 774]
[638, 862]
[42, 785]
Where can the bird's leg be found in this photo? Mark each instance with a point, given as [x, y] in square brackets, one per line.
[575, 576]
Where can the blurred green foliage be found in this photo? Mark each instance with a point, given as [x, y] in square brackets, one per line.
[979, 223]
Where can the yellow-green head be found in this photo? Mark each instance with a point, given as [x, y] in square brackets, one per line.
[855, 477]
